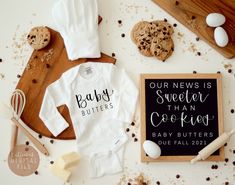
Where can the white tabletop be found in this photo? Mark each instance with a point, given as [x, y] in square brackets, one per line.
[17, 17]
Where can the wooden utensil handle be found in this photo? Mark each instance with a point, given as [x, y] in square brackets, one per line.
[36, 143]
[14, 134]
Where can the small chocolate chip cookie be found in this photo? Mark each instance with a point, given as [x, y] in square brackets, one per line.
[162, 48]
[137, 30]
[39, 37]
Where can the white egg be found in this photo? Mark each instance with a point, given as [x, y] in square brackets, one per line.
[221, 37]
[151, 149]
[215, 19]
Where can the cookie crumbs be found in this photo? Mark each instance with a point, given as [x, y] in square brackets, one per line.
[48, 55]
[2, 76]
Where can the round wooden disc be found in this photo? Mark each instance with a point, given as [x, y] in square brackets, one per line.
[23, 160]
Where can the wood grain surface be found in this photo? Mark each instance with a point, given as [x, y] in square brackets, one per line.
[44, 67]
[192, 14]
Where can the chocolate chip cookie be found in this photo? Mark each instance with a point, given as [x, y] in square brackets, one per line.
[164, 29]
[162, 48]
[39, 37]
[138, 30]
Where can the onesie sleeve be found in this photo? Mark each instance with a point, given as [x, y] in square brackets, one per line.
[128, 98]
[55, 96]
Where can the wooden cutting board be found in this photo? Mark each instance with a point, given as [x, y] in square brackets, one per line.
[44, 67]
[192, 14]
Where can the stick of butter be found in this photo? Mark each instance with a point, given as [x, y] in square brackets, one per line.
[68, 160]
[59, 172]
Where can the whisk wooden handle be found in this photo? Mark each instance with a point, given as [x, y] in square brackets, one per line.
[36, 143]
[14, 134]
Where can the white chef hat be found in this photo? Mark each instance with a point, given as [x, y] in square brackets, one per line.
[77, 22]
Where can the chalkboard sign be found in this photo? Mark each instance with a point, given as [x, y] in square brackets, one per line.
[182, 113]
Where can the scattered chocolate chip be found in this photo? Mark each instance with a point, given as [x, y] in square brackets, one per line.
[226, 183]
[158, 183]
[177, 176]
[218, 72]
[165, 20]
[208, 179]
[230, 70]
[40, 136]
[18, 76]
[234, 163]
[199, 53]
[36, 172]
[48, 66]
[133, 135]
[212, 167]
[132, 124]
[194, 72]
[176, 3]
[197, 39]
[34, 81]
[113, 55]
[174, 24]
[163, 60]
[123, 35]
[119, 21]
[51, 141]
[128, 183]
[232, 111]
[233, 151]
[127, 129]
[0, 60]
[226, 160]
[28, 36]
[225, 144]
[51, 162]
[27, 143]
[193, 17]
[135, 140]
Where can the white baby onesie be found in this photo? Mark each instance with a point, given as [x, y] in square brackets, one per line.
[100, 98]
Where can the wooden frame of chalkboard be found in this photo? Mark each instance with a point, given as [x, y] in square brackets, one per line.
[165, 98]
